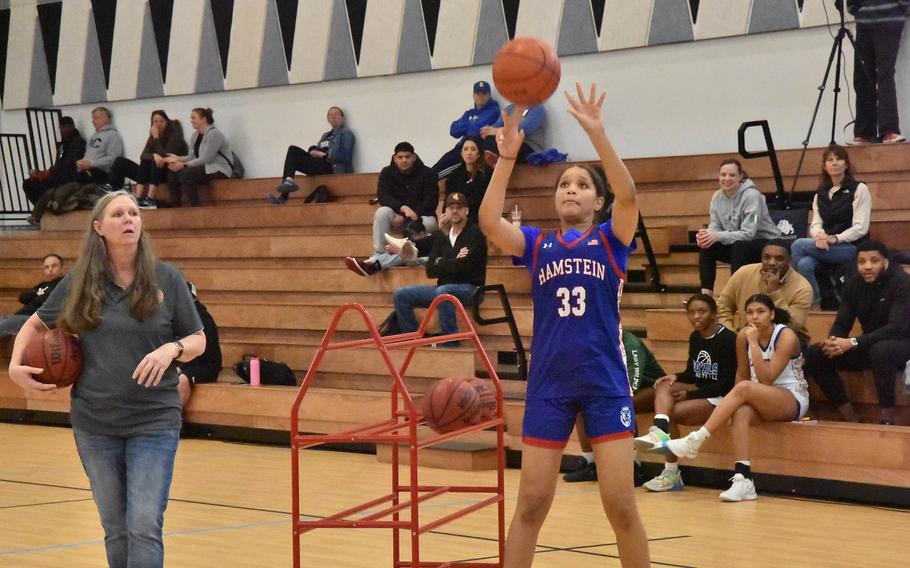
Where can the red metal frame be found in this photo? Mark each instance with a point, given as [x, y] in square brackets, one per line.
[399, 429]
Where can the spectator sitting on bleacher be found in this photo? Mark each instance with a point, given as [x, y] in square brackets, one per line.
[332, 154]
[70, 148]
[209, 159]
[879, 297]
[740, 225]
[773, 276]
[458, 260]
[689, 397]
[104, 147]
[485, 112]
[471, 177]
[841, 212]
[533, 120]
[165, 137]
[206, 367]
[770, 387]
[643, 370]
[32, 299]
[408, 192]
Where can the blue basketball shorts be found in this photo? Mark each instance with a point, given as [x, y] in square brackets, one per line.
[548, 423]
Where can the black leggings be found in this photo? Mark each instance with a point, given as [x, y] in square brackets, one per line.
[886, 358]
[738, 254]
[299, 160]
[188, 180]
[146, 172]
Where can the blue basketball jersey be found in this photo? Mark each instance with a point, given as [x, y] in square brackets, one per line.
[577, 282]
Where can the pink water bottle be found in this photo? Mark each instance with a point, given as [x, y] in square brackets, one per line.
[254, 372]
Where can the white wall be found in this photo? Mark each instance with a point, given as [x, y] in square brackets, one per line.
[667, 100]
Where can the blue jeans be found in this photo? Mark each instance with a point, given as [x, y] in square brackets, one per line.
[130, 479]
[806, 256]
[410, 297]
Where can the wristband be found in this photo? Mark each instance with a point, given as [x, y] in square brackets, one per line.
[508, 157]
[179, 347]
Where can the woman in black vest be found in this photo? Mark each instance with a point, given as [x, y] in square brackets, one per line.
[840, 218]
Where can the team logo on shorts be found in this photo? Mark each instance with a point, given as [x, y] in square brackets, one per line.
[625, 416]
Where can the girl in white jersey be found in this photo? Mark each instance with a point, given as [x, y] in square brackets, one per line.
[769, 387]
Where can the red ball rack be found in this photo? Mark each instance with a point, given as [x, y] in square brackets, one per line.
[402, 504]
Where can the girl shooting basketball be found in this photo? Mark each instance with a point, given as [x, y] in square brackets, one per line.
[577, 275]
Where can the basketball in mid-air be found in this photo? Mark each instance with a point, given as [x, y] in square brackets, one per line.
[526, 71]
[58, 353]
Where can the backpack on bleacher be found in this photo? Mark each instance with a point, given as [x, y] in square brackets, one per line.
[270, 372]
[237, 169]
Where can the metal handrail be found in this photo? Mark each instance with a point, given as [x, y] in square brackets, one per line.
[507, 318]
[16, 164]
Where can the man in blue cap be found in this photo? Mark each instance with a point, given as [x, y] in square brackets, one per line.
[485, 112]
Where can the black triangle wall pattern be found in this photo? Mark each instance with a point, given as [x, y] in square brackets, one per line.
[4, 45]
[510, 9]
[287, 19]
[49, 20]
[597, 6]
[105, 13]
[430, 20]
[223, 16]
[800, 4]
[693, 5]
[357, 13]
[162, 12]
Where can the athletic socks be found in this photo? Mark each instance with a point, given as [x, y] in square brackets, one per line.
[671, 466]
[662, 421]
[589, 456]
[744, 468]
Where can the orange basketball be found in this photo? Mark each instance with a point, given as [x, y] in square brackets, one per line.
[487, 397]
[451, 404]
[526, 71]
[58, 353]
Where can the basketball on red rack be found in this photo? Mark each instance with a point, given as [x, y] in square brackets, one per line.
[451, 404]
[58, 353]
[526, 71]
[487, 393]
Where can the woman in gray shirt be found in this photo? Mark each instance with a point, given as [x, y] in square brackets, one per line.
[210, 157]
[135, 318]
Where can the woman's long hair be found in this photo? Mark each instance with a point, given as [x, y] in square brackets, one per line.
[85, 295]
[480, 168]
[170, 125]
[824, 180]
[780, 315]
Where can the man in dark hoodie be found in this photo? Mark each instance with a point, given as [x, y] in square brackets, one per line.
[879, 296]
[32, 299]
[70, 148]
[408, 192]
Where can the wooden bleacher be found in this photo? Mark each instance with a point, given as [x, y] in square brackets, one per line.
[272, 276]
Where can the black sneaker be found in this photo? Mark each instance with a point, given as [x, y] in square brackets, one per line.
[584, 472]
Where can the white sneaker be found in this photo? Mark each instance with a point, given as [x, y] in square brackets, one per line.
[406, 249]
[685, 447]
[742, 490]
[653, 441]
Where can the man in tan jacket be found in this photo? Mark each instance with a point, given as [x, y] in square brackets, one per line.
[772, 276]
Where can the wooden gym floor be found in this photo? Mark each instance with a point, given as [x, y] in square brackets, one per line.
[230, 506]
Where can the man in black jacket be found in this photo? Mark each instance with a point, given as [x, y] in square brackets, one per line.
[458, 260]
[32, 299]
[408, 191]
[70, 149]
[879, 296]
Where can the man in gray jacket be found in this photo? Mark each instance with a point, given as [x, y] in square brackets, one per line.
[103, 148]
[739, 228]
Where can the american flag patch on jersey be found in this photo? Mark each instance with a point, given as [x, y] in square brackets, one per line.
[593, 242]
